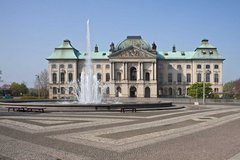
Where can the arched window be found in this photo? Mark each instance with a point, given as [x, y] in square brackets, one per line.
[147, 92]
[70, 91]
[147, 76]
[160, 92]
[179, 91]
[70, 77]
[133, 74]
[118, 92]
[54, 78]
[133, 91]
[62, 90]
[107, 77]
[188, 91]
[99, 76]
[170, 91]
[54, 90]
[118, 76]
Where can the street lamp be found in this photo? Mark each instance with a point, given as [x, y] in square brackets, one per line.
[38, 86]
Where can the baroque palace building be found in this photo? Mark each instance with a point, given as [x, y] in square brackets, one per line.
[134, 68]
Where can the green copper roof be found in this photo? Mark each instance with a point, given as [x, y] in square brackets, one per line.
[176, 55]
[133, 41]
[65, 51]
[205, 51]
[95, 55]
[187, 55]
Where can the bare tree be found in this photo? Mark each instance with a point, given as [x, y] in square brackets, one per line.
[41, 83]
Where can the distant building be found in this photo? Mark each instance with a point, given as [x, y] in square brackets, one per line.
[137, 69]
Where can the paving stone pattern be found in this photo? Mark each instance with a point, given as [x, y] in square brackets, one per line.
[199, 133]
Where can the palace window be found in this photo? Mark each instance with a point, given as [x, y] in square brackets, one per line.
[98, 66]
[70, 91]
[199, 66]
[107, 77]
[160, 66]
[70, 77]
[207, 66]
[99, 76]
[133, 74]
[107, 66]
[170, 77]
[54, 66]
[199, 77]
[147, 76]
[179, 77]
[62, 77]
[179, 67]
[118, 91]
[179, 91]
[170, 66]
[118, 76]
[62, 90]
[70, 66]
[207, 77]
[54, 90]
[188, 66]
[216, 78]
[188, 77]
[160, 78]
[61, 66]
[54, 78]
[215, 66]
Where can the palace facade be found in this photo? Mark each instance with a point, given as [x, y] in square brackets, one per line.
[134, 68]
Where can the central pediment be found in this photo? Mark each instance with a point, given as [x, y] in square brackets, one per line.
[132, 53]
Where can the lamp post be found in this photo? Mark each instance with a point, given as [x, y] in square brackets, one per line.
[204, 85]
[38, 86]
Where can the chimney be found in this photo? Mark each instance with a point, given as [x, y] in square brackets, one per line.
[205, 41]
[96, 48]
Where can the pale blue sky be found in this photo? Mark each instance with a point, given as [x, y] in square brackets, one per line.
[31, 29]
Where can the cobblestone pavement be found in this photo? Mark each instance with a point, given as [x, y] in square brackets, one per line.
[194, 133]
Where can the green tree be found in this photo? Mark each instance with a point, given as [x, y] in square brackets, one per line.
[228, 89]
[18, 89]
[236, 88]
[196, 90]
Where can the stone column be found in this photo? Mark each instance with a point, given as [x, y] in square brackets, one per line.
[124, 71]
[113, 71]
[142, 64]
[153, 70]
[138, 72]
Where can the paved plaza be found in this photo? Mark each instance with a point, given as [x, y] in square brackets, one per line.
[210, 132]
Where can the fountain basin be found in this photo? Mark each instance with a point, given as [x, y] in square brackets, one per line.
[51, 106]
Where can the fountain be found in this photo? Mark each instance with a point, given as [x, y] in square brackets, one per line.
[87, 89]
